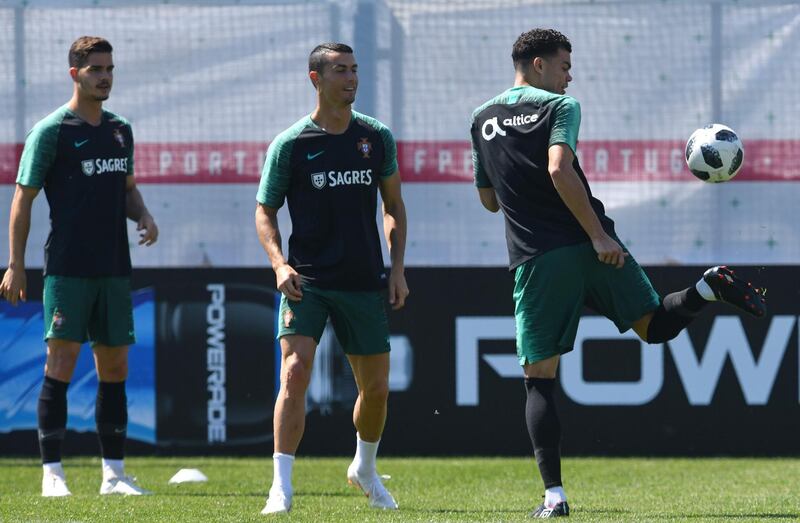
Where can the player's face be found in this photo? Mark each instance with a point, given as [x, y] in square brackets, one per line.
[96, 76]
[555, 72]
[339, 79]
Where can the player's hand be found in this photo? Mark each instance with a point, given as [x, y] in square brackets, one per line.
[148, 234]
[289, 282]
[398, 289]
[609, 251]
[13, 287]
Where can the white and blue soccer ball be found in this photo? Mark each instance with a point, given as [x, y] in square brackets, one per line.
[714, 153]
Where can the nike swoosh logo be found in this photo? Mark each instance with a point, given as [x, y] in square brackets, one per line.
[78, 144]
[310, 156]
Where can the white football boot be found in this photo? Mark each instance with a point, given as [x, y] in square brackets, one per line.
[373, 488]
[54, 486]
[279, 501]
[123, 486]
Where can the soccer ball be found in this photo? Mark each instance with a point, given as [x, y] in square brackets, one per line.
[714, 153]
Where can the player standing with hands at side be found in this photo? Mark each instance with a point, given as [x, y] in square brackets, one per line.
[82, 155]
[329, 166]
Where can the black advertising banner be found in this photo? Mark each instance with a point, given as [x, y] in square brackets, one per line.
[204, 372]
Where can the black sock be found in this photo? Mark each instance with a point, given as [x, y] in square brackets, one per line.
[676, 311]
[111, 416]
[544, 429]
[52, 414]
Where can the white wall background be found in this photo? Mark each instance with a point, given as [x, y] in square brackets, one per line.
[215, 72]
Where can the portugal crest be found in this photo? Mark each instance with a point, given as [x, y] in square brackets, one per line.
[58, 320]
[318, 180]
[364, 147]
[87, 166]
[119, 138]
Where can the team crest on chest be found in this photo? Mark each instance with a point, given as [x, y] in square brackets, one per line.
[364, 147]
[119, 138]
[87, 166]
[318, 180]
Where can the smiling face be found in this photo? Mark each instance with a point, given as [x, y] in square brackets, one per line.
[337, 81]
[95, 77]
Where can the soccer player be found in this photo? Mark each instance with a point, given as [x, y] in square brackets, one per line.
[329, 166]
[561, 245]
[83, 157]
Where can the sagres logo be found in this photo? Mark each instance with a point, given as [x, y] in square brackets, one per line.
[88, 167]
[318, 180]
[104, 165]
[492, 128]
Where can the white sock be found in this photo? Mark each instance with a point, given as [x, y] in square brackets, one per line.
[282, 471]
[53, 468]
[554, 496]
[113, 468]
[704, 290]
[366, 453]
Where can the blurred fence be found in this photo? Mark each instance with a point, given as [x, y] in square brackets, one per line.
[207, 85]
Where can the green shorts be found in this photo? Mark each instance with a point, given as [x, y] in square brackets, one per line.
[551, 290]
[358, 318]
[94, 309]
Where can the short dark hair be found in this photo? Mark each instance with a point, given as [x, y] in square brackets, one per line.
[538, 42]
[316, 60]
[81, 48]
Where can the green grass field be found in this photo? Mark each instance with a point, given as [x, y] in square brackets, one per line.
[453, 489]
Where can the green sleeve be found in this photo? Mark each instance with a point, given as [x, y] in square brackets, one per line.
[481, 179]
[389, 166]
[38, 154]
[276, 173]
[566, 122]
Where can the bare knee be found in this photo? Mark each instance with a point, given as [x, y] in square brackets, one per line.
[642, 326]
[375, 393]
[111, 363]
[542, 369]
[295, 375]
[61, 359]
[114, 371]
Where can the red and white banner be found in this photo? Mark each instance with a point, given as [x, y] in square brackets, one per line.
[441, 161]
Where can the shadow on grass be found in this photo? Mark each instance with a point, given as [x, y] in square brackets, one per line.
[722, 516]
[197, 494]
[600, 511]
[178, 494]
[793, 517]
[463, 511]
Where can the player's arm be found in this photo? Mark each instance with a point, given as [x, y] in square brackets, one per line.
[488, 199]
[136, 210]
[394, 228]
[485, 190]
[38, 157]
[272, 190]
[573, 193]
[13, 287]
[269, 234]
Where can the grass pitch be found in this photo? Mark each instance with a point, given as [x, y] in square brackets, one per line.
[452, 489]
